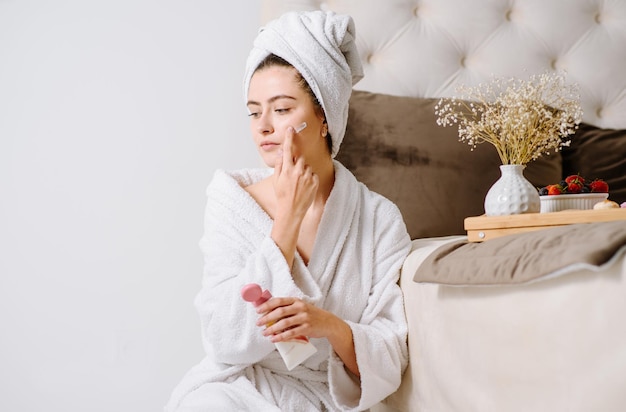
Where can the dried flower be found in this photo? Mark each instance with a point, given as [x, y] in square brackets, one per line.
[522, 119]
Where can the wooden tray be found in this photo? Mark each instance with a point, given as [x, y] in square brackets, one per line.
[480, 228]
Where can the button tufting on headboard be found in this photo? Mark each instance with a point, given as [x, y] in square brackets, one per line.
[427, 48]
[509, 15]
[598, 18]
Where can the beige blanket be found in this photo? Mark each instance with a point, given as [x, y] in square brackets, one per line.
[525, 257]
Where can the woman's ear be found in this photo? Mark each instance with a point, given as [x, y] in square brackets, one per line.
[324, 128]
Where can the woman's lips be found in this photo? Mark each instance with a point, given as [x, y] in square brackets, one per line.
[268, 146]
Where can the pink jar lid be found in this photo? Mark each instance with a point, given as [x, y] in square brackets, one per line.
[254, 294]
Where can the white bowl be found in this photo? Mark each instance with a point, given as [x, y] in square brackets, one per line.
[582, 201]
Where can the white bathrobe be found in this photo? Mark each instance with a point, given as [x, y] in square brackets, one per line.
[353, 273]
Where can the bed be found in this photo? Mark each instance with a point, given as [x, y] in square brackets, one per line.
[552, 343]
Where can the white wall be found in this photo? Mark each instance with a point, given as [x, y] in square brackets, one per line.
[113, 116]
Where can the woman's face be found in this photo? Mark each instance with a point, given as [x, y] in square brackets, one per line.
[275, 102]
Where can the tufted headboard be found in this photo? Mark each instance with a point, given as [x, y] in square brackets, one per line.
[426, 48]
[414, 52]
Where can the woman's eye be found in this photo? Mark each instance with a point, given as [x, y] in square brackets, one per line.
[254, 115]
[280, 111]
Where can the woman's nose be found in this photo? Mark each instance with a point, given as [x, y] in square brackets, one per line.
[264, 126]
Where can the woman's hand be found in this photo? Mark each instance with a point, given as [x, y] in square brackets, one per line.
[292, 317]
[287, 318]
[295, 186]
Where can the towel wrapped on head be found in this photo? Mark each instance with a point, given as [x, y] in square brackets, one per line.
[321, 46]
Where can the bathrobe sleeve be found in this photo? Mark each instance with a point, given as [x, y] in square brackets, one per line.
[380, 335]
[237, 250]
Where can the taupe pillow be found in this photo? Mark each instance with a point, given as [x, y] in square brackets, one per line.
[524, 257]
[394, 145]
[598, 153]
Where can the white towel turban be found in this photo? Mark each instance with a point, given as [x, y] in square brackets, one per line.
[321, 46]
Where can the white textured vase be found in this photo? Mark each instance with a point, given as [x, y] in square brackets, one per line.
[512, 194]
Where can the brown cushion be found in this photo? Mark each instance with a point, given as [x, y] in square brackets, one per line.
[394, 145]
[599, 154]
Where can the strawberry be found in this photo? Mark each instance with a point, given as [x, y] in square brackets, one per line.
[599, 186]
[574, 187]
[555, 189]
[578, 179]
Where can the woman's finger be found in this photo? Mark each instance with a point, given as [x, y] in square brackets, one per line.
[288, 147]
[278, 166]
[300, 165]
[316, 181]
[279, 326]
[274, 303]
[288, 334]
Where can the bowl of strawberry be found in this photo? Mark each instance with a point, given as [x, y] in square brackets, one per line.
[573, 193]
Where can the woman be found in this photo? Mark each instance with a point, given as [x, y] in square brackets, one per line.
[326, 247]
